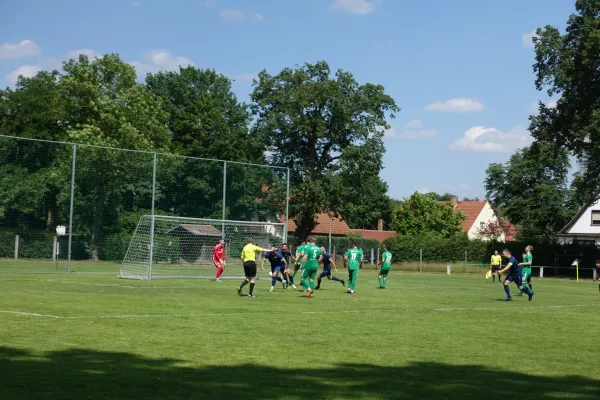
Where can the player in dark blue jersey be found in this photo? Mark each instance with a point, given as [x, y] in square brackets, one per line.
[514, 275]
[277, 261]
[327, 264]
[287, 260]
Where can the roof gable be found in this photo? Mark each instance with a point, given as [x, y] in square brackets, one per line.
[565, 230]
[471, 210]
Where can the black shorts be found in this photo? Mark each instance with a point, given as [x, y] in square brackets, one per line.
[495, 268]
[249, 269]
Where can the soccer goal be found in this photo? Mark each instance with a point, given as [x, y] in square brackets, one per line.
[178, 247]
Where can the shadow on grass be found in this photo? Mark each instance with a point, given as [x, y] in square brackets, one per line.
[85, 374]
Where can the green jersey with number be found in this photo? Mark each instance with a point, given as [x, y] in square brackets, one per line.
[354, 256]
[313, 253]
[386, 257]
[527, 268]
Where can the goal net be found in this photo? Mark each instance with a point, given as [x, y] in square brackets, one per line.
[178, 247]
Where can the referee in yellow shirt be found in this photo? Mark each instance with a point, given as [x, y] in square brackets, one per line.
[249, 258]
[496, 266]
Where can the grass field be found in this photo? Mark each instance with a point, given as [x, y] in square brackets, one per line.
[88, 336]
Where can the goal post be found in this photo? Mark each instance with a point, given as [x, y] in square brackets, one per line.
[183, 247]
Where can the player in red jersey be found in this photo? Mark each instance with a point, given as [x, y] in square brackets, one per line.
[219, 258]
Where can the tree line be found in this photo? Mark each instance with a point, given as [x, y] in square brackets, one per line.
[321, 124]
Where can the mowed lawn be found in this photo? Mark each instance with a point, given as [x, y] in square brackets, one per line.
[425, 336]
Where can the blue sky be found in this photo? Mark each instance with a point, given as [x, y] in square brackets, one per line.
[460, 70]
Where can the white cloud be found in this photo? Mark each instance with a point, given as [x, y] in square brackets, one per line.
[26, 48]
[457, 105]
[412, 130]
[359, 7]
[160, 60]
[527, 39]
[424, 190]
[480, 139]
[235, 14]
[26, 70]
[534, 107]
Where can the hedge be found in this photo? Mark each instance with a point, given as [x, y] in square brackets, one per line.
[454, 249]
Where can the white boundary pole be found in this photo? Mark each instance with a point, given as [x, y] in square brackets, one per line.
[152, 219]
[71, 208]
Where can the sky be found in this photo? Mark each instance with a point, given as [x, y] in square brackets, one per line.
[461, 71]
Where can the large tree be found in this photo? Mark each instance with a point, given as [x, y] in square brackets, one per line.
[530, 190]
[568, 66]
[206, 120]
[421, 215]
[318, 125]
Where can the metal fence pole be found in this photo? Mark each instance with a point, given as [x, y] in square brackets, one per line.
[152, 218]
[224, 197]
[287, 208]
[70, 242]
[421, 260]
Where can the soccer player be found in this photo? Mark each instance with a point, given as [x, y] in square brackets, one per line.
[496, 266]
[526, 268]
[353, 260]
[514, 275]
[598, 273]
[287, 259]
[386, 264]
[298, 263]
[249, 258]
[277, 261]
[312, 256]
[327, 264]
[219, 258]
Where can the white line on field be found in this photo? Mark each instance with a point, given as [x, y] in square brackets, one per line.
[131, 316]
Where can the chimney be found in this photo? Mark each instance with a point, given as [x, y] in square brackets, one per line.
[454, 202]
[380, 225]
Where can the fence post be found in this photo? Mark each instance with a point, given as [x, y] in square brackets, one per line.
[448, 269]
[378, 254]
[54, 240]
[16, 247]
[372, 255]
[224, 197]
[595, 274]
[541, 272]
[287, 208]
[69, 245]
[152, 218]
[421, 260]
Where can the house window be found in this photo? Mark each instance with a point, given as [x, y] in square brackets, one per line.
[595, 217]
[481, 225]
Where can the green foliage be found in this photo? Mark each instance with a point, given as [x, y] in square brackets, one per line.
[530, 190]
[420, 215]
[341, 244]
[323, 128]
[566, 66]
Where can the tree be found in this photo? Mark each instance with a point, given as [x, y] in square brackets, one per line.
[530, 190]
[492, 230]
[206, 120]
[440, 197]
[567, 65]
[420, 215]
[315, 124]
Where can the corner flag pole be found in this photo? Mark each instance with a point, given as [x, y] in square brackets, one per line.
[576, 264]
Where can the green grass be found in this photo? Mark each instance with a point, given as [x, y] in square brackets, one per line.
[425, 336]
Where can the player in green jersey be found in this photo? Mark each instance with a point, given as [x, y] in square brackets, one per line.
[312, 256]
[298, 263]
[386, 263]
[353, 260]
[526, 268]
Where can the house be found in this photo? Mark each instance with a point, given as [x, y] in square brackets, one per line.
[479, 214]
[339, 228]
[585, 225]
[196, 242]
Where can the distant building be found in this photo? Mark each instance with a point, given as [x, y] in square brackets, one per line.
[585, 225]
[478, 215]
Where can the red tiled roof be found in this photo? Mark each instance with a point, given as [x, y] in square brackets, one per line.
[471, 209]
[372, 234]
[338, 226]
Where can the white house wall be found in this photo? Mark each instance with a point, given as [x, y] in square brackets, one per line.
[486, 216]
[584, 223]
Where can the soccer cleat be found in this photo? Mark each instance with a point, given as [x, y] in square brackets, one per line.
[508, 299]
[294, 286]
[318, 287]
[309, 293]
[343, 283]
[218, 280]
[239, 291]
[348, 291]
[251, 295]
[351, 292]
[531, 296]
[271, 290]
